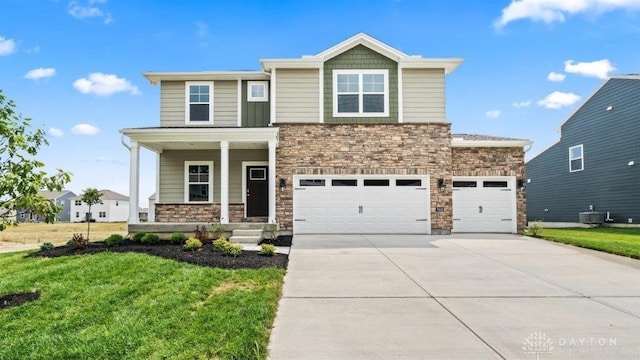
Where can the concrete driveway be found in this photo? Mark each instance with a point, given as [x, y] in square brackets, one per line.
[455, 297]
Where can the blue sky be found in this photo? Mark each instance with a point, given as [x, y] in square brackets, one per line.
[75, 66]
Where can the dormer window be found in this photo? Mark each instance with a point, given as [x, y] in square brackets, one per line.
[199, 102]
[363, 93]
[257, 91]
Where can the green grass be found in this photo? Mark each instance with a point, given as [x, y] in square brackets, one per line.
[135, 306]
[619, 241]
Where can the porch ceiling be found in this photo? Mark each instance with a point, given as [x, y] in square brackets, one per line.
[160, 139]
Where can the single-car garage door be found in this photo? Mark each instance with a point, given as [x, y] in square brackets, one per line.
[361, 204]
[484, 204]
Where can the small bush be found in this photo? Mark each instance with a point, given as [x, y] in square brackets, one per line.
[150, 238]
[202, 234]
[178, 238]
[137, 237]
[79, 241]
[534, 228]
[114, 239]
[192, 244]
[220, 244]
[217, 231]
[267, 250]
[232, 249]
[46, 246]
[271, 231]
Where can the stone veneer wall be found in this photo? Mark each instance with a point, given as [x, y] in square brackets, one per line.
[491, 161]
[359, 149]
[188, 212]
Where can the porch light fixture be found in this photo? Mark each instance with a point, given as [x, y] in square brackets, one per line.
[283, 184]
[441, 183]
[521, 184]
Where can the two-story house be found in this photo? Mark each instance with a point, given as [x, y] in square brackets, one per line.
[113, 207]
[595, 164]
[354, 139]
[59, 198]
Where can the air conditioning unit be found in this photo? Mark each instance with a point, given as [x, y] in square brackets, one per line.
[591, 217]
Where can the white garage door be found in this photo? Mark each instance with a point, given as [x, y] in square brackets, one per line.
[361, 204]
[484, 204]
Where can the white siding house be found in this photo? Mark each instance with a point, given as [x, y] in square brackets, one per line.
[114, 207]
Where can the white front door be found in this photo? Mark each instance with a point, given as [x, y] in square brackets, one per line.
[484, 204]
[361, 204]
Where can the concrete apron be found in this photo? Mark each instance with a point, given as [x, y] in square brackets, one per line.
[455, 297]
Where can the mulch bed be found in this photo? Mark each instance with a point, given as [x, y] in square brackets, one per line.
[205, 257]
[282, 240]
[11, 300]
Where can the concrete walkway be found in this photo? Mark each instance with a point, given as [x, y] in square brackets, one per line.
[455, 297]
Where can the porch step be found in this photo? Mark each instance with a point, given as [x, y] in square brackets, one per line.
[247, 232]
[246, 236]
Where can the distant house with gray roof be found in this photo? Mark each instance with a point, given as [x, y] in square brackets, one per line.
[114, 207]
[60, 198]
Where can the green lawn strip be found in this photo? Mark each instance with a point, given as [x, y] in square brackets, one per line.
[135, 306]
[619, 241]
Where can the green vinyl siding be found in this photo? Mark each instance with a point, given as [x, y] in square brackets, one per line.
[360, 58]
[254, 113]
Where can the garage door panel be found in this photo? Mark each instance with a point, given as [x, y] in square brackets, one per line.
[487, 207]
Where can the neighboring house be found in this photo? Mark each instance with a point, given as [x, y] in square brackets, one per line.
[151, 216]
[143, 214]
[60, 198]
[595, 165]
[354, 139]
[113, 207]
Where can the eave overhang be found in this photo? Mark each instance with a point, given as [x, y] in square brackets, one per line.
[156, 77]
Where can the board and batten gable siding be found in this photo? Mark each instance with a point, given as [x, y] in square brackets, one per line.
[172, 103]
[297, 96]
[610, 142]
[423, 95]
[172, 172]
[255, 113]
[361, 58]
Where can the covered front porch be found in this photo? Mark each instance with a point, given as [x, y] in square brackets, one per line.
[206, 175]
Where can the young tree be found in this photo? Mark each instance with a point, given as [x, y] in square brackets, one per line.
[21, 175]
[90, 196]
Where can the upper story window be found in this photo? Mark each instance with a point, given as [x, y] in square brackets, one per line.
[198, 181]
[199, 102]
[257, 91]
[78, 202]
[360, 93]
[576, 158]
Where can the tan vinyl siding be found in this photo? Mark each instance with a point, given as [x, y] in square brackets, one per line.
[225, 100]
[297, 95]
[172, 172]
[172, 103]
[423, 95]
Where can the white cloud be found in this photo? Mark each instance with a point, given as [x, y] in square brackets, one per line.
[7, 46]
[33, 50]
[56, 132]
[492, 114]
[558, 99]
[521, 104]
[40, 73]
[104, 85]
[556, 77]
[79, 11]
[599, 69]
[85, 129]
[549, 11]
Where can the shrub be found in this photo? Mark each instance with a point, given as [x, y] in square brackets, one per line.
[232, 249]
[534, 228]
[220, 244]
[267, 250]
[114, 239]
[137, 237]
[202, 234]
[150, 238]
[192, 244]
[271, 231]
[79, 241]
[46, 246]
[178, 238]
[218, 231]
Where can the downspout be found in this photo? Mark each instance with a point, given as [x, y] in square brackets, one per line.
[123, 143]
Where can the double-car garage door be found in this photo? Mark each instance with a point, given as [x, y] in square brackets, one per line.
[361, 204]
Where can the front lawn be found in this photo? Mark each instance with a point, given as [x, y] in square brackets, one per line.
[136, 306]
[619, 241]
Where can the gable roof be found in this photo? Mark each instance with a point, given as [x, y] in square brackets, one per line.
[53, 195]
[109, 195]
[474, 140]
[404, 60]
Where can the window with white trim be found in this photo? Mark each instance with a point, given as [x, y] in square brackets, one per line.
[576, 158]
[102, 214]
[257, 91]
[199, 102]
[361, 93]
[78, 202]
[198, 181]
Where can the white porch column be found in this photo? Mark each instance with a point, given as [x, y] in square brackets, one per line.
[224, 182]
[134, 182]
[272, 181]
